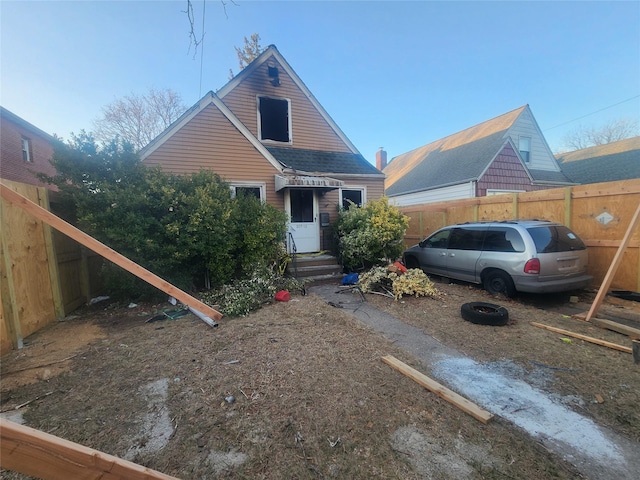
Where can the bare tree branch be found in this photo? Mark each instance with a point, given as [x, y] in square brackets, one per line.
[194, 39]
[585, 137]
[139, 119]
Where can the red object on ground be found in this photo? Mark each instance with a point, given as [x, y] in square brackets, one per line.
[283, 296]
[400, 267]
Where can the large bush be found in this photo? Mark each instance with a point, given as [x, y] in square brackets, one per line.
[371, 235]
[184, 228]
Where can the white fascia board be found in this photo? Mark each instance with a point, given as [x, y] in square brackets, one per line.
[544, 140]
[540, 135]
[208, 99]
[246, 132]
[177, 125]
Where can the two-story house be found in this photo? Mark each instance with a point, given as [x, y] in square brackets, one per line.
[265, 133]
[25, 150]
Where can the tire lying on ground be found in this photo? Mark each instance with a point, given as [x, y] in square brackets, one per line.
[483, 313]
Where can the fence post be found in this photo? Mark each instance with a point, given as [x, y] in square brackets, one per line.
[85, 283]
[567, 206]
[52, 258]
[514, 205]
[8, 288]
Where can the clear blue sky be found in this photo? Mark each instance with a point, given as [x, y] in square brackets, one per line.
[390, 73]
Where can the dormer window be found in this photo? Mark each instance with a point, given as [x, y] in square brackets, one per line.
[525, 148]
[274, 119]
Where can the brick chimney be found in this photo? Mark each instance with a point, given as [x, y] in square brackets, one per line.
[381, 159]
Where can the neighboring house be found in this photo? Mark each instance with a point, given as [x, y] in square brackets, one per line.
[505, 154]
[603, 163]
[265, 133]
[24, 150]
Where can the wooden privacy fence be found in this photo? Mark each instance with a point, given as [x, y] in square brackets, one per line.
[599, 213]
[35, 254]
[44, 275]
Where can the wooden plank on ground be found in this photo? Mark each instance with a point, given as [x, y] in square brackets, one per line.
[42, 455]
[631, 332]
[597, 341]
[108, 253]
[440, 390]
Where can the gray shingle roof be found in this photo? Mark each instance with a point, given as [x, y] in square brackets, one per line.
[603, 163]
[451, 166]
[549, 176]
[323, 161]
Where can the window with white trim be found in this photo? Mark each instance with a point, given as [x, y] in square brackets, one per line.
[252, 189]
[524, 145]
[274, 119]
[26, 150]
[349, 195]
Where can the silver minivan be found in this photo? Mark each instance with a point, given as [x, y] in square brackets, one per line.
[505, 257]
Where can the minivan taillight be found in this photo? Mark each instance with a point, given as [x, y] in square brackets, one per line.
[532, 266]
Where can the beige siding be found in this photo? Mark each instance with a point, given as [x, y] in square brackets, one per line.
[330, 201]
[309, 130]
[210, 141]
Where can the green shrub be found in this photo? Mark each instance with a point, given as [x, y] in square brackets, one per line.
[184, 228]
[371, 235]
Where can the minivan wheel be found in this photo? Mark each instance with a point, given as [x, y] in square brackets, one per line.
[483, 313]
[411, 262]
[497, 282]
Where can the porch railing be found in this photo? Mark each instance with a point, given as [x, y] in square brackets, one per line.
[292, 250]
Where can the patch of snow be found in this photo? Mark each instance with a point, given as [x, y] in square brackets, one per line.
[433, 458]
[156, 427]
[221, 461]
[13, 416]
[527, 407]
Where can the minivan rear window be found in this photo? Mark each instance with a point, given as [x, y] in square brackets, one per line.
[550, 239]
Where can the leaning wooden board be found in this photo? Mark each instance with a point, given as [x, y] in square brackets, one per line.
[440, 390]
[108, 253]
[42, 455]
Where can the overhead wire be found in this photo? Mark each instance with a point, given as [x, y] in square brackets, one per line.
[592, 113]
[204, 5]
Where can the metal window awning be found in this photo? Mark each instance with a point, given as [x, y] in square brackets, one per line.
[306, 181]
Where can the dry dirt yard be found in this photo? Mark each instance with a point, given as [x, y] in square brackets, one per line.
[298, 389]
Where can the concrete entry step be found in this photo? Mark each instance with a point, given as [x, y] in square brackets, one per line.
[315, 267]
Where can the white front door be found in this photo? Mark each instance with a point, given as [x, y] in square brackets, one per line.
[302, 207]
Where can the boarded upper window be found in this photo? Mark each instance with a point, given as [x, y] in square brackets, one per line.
[274, 119]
